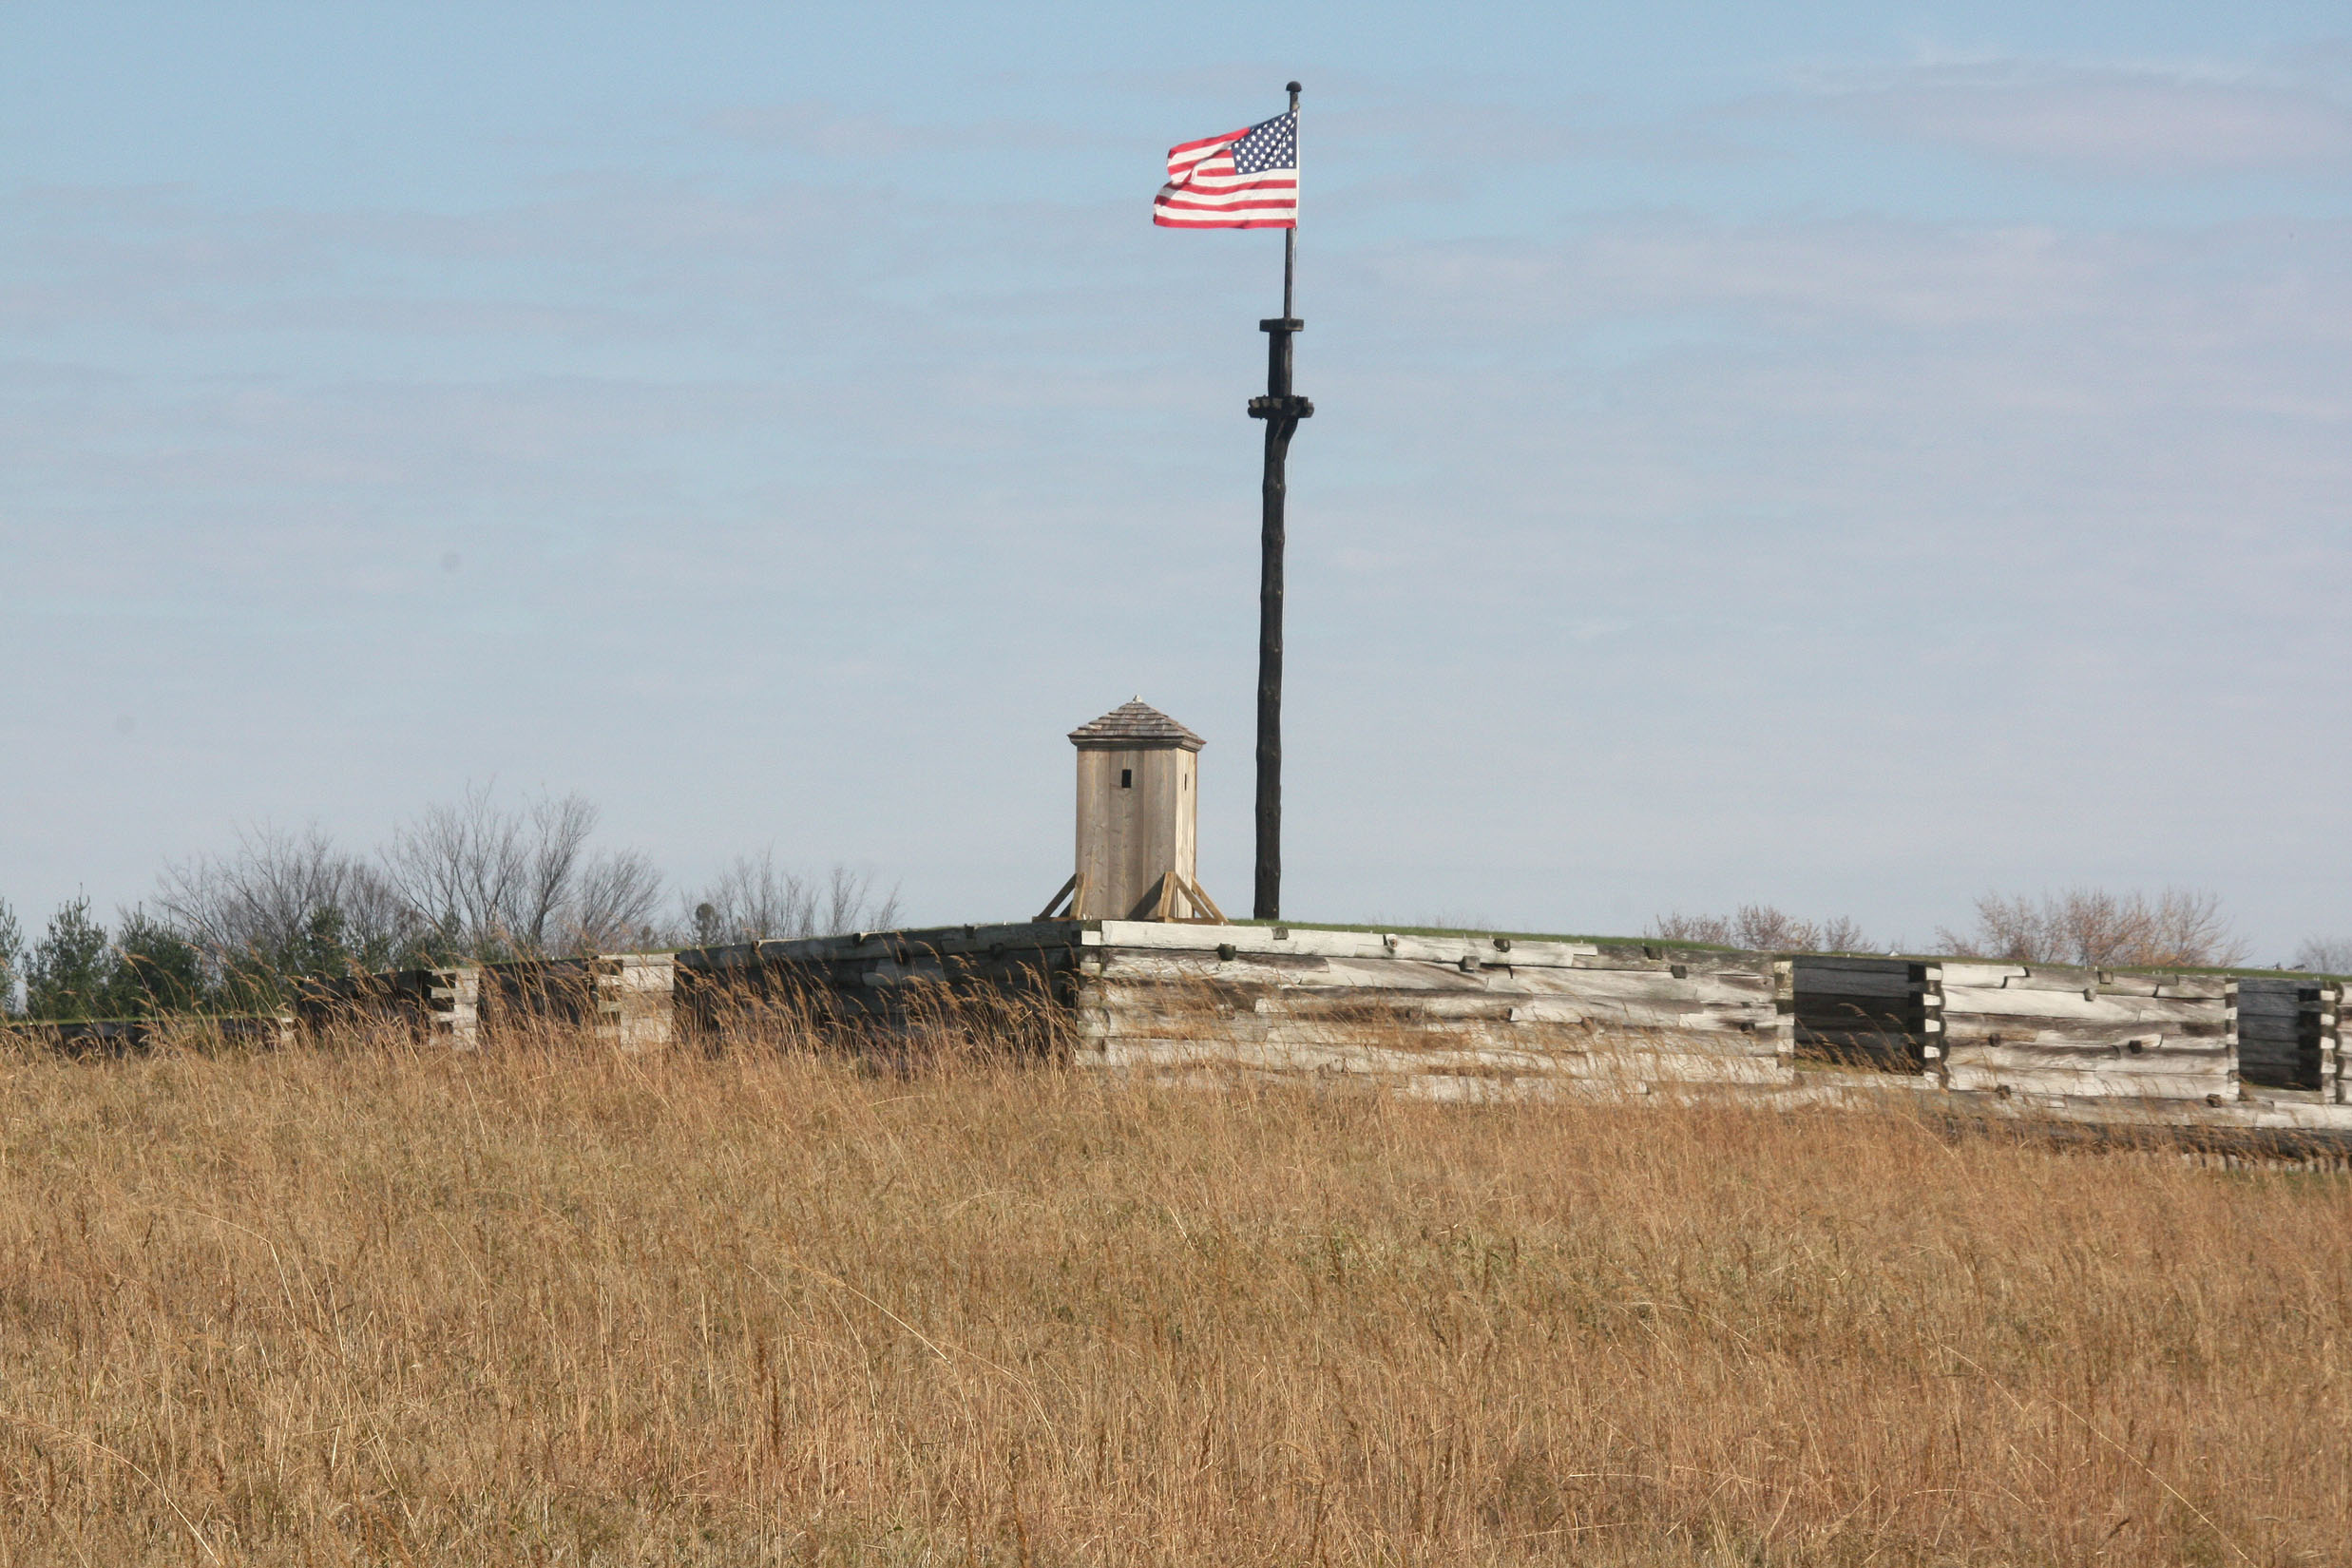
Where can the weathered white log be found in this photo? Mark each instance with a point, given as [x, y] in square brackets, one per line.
[1710, 1001]
[1961, 973]
[2206, 1056]
[1292, 1058]
[1293, 941]
[2122, 1012]
[1965, 973]
[1964, 1077]
[2212, 1036]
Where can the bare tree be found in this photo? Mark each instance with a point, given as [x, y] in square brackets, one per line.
[614, 905]
[1716, 931]
[2093, 926]
[555, 842]
[284, 902]
[754, 901]
[491, 881]
[458, 866]
[1763, 927]
[851, 904]
[2185, 926]
[475, 878]
[1838, 935]
[2326, 955]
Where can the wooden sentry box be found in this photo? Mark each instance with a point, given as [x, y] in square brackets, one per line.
[1139, 808]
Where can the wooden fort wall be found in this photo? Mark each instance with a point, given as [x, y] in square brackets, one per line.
[625, 998]
[1478, 1016]
[2049, 1030]
[131, 1035]
[439, 1004]
[1474, 1007]
[1468, 1016]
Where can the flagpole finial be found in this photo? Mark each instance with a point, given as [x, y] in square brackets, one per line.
[1291, 87]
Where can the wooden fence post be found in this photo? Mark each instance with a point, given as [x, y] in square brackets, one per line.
[1785, 1004]
[453, 1004]
[1935, 1041]
[2331, 1044]
[2236, 1091]
[635, 998]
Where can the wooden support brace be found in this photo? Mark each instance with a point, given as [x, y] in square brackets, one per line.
[1205, 910]
[1073, 891]
[1179, 892]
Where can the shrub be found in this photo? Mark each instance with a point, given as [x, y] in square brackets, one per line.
[2093, 926]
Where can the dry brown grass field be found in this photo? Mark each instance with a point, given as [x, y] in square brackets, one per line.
[547, 1304]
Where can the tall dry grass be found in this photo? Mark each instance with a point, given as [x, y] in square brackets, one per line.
[547, 1304]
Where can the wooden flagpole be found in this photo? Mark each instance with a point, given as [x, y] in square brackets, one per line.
[1282, 412]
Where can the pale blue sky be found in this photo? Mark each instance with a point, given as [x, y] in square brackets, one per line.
[1849, 456]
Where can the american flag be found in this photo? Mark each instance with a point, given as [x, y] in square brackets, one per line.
[1243, 180]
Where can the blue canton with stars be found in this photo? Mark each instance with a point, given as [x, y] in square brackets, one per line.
[1270, 144]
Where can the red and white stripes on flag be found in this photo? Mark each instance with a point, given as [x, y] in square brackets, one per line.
[1243, 180]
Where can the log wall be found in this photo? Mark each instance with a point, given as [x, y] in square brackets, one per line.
[1484, 1008]
[442, 1005]
[1881, 1013]
[2062, 1031]
[873, 980]
[2285, 1030]
[128, 1037]
[2050, 1031]
[634, 993]
[1460, 1014]
[625, 998]
[1170, 996]
[525, 994]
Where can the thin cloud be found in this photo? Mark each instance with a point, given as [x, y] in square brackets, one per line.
[2143, 122]
[825, 129]
[1446, 134]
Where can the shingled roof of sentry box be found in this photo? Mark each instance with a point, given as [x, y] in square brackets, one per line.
[1133, 726]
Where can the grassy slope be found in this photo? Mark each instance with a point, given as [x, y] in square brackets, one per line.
[551, 1305]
